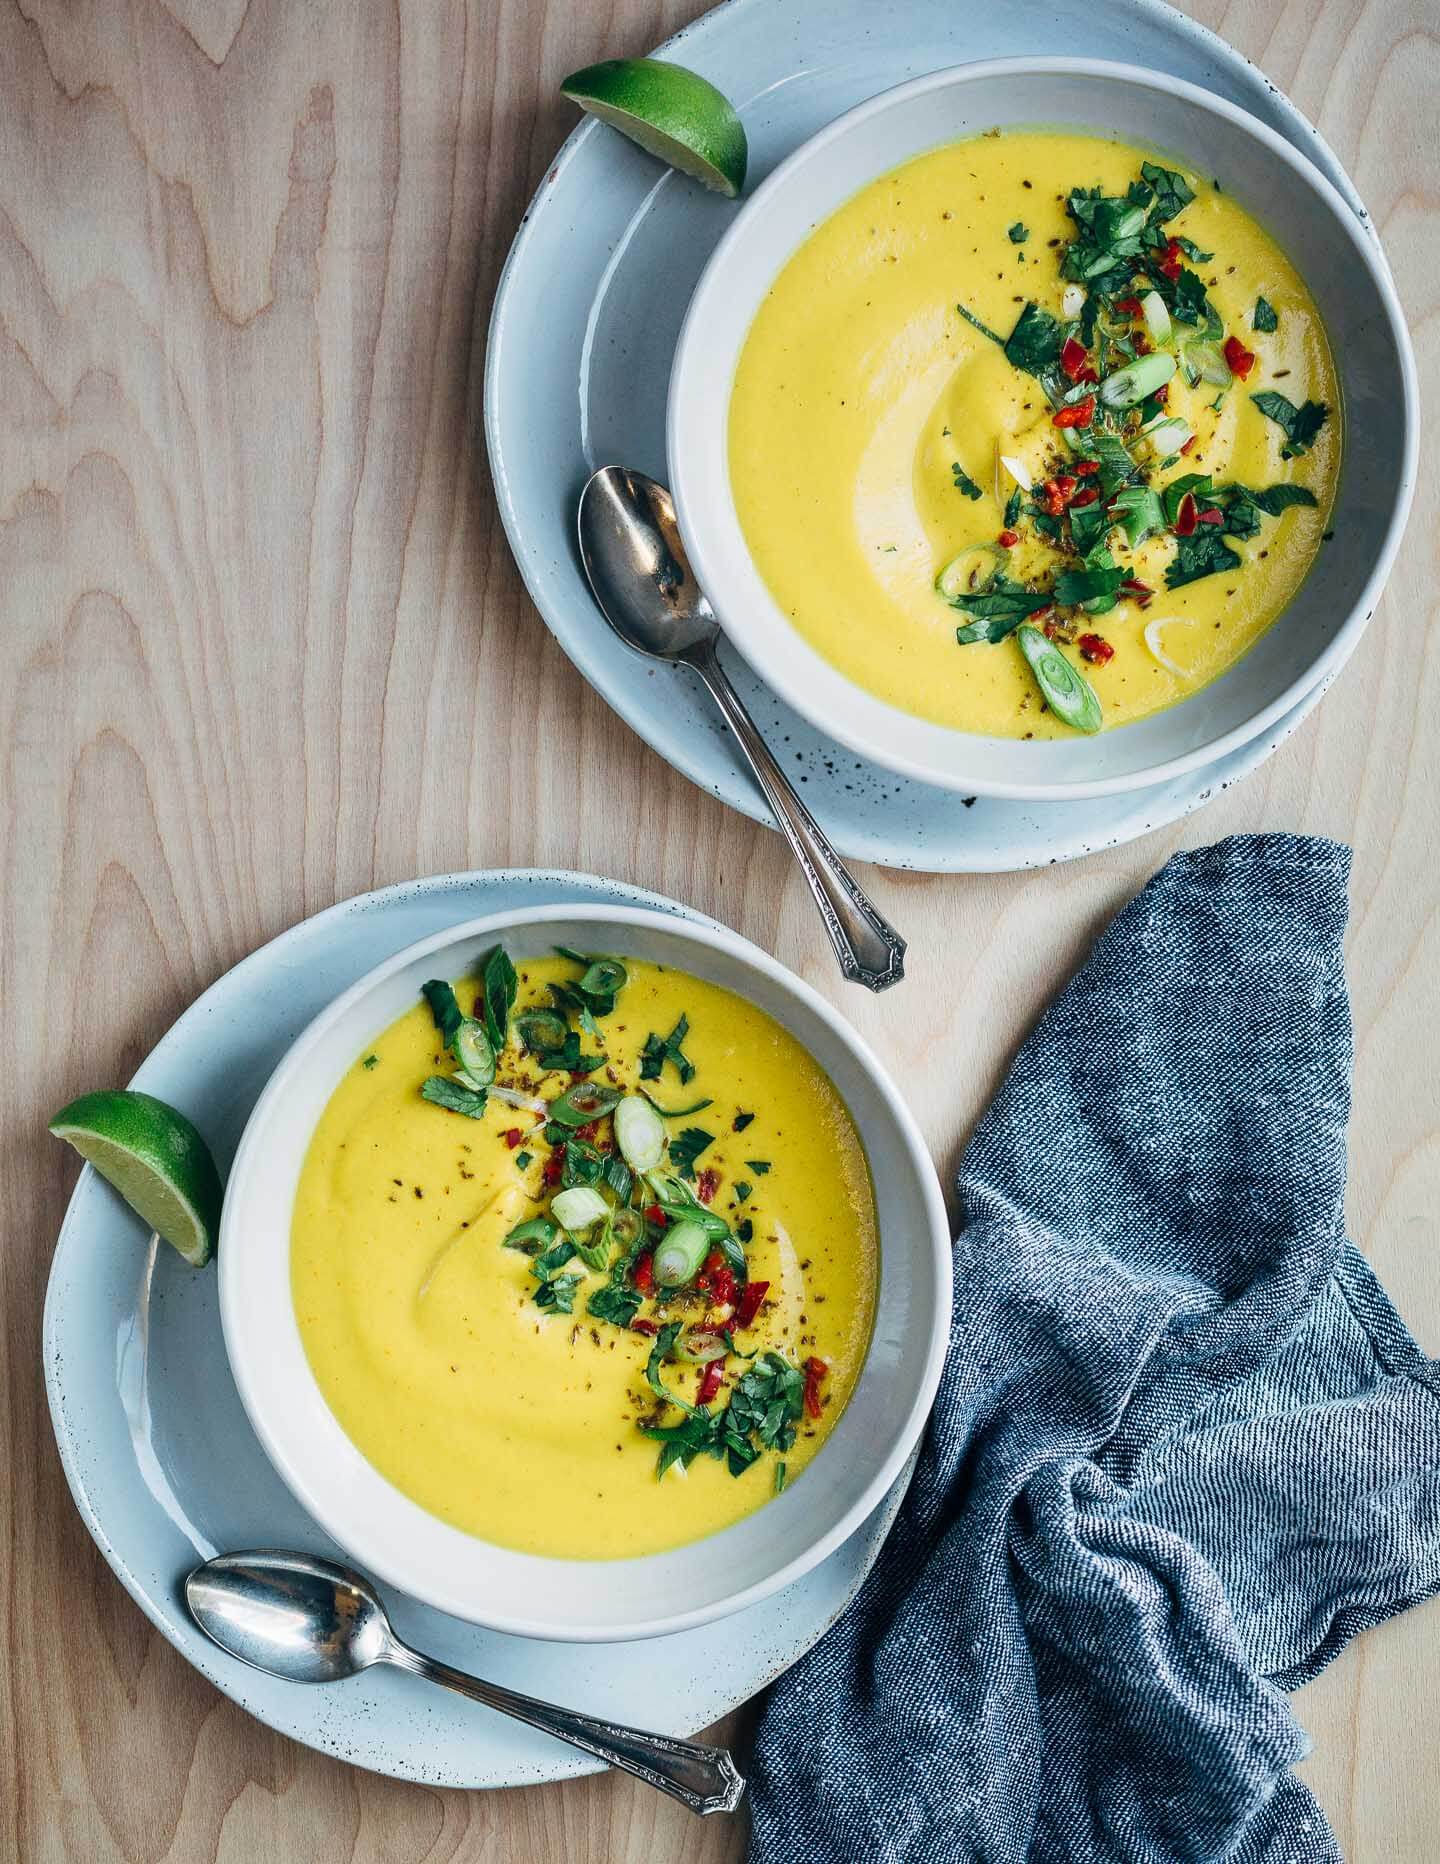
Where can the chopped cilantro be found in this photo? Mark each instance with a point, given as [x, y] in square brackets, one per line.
[616, 1303]
[687, 1146]
[522, 1159]
[1203, 553]
[1172, 191]
[371, 1061]
[498, 984]
[1299, 425]
[963, 482]
[1019, 233]
[660, 1049]
[443, 1007]
[976, 324]
[1012, 510]
[1035, 343]
[558, 1293]
[758, 1166]
[998, 610]
[1264, 317]
[741, 1121]
[1274, 499]
[1089, 585]
[743, 1188]
[455, 1096]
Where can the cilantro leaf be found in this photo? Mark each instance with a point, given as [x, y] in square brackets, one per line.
[1264, 316]
[1089, 585]
[963, 482]
[1012, 509]
[558, 1293]
[1019, 233]
[976, 324]
[1035, 343]
[687, 1146]
[616, 1303]
[1273, 499]
[1299, 425]
[1173, 192]
[443, 1007]
[768, 1402]
[660, 1049]
[455, 1096]
[498, 984]
[998, 610]
[1203, 553]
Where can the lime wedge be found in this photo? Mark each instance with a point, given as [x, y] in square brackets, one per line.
[156, 1161]
[671, 112]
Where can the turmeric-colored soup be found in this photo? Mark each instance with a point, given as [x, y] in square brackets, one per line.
[591, 1275]
[1036, 434]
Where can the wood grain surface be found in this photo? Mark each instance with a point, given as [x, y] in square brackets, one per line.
[264, 647]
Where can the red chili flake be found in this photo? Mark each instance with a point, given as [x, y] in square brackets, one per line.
[513, 1137]
[650, 1327]
[712, 1262]
[1085, 468]
[749, 1303]
[1240, 359]
[654, 1214]
[1130, 306]
[1050, 629]
[1132, 585]
[1073, 358]
[1076, 415]
[1169, 260]
[554, 1165]
[1212, 517]
[1189, 443]
[1187, 517]
[1009, 539]
[722, 1286]
[643, 1274]
[1089, 373]
[815, 1370]
[711, 1379]
[1087, 495]
[1065, 485]
[1096, 649]
[707, 1184]
[1162, 394]
[1143, 345]
[588, 1131]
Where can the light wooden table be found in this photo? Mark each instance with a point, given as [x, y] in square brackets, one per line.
[264, 647]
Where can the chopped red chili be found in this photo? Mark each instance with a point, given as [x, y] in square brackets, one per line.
[1211, 517]
[711, 1379]
[1009, 539]
[1240, 359]
[645, 1326]
[654, 1214]
[722, 1286]
[1087, 495]
[1189, 443]
[1187, 517]
[643, 1273]
[749, 1303]
[1078, 414]
[815, 1370]
[1143, 345]
[513, 1136]
[1132, 585]
[1130, 306]
[1085, 468]
[1073, 358]
[1094, 648]
[554, 1165]
[588, 1131]
[1169, 260]
[1088, 374]
[707, 1184]
[1065, 484]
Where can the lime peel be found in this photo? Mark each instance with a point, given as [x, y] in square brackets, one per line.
[155, 1158]
[671, 112]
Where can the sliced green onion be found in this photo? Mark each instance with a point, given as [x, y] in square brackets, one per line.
[677, 1113]
[1208, 364]
[1072, 301]
[971, 570]
[1157, 318]
[533, 1235]
[582, 1102]
[1137, 380]
[1068, 693]
[1167, 435]
[1140, 511]
[639, 1133]
[541, 1030]
[1018, 471]
[627, 1227]
[472, 1050]
[700, 1345]
[605, 977]
[579, 1208]
[678, 1256]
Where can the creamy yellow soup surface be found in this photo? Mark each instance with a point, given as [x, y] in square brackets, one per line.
[860, 387]
[519, 1425]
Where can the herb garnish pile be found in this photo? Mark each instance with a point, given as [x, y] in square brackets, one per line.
[625, 1212]
[1135, 314]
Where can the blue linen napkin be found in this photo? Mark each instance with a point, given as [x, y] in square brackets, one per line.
[1183, 1450]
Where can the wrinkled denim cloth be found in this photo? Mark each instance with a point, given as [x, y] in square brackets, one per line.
[1183, 1449]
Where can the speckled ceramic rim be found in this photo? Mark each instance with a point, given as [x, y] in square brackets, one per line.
[846, 153]
[588, 1601]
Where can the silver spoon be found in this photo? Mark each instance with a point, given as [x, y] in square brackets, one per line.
[314, 1621]
[641, 578]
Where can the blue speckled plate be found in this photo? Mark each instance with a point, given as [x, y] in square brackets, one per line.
[581, 341]
[166, 1470]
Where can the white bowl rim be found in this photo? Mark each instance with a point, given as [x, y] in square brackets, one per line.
[239, 1326]
[746, 634]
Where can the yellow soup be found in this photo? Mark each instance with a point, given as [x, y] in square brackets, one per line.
[522, 1423]
[861, 389]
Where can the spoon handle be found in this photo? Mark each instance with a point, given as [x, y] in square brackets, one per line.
[870, 950]
[705, 1779]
